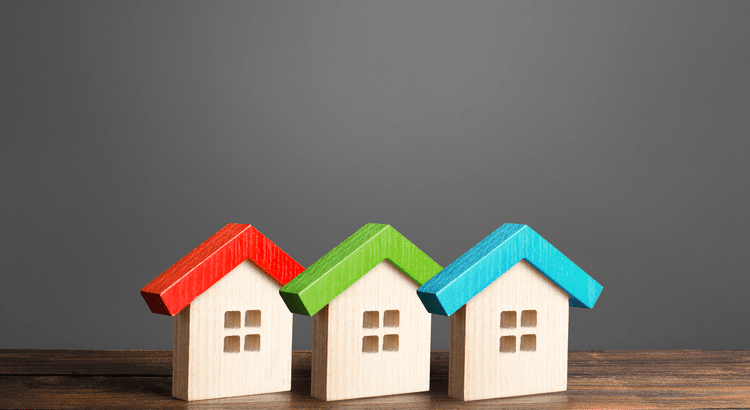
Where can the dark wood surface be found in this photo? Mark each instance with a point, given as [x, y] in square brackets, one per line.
[596, 380]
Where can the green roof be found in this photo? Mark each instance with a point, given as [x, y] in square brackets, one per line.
[332, 274]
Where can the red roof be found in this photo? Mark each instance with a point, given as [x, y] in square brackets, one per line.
[192, 275]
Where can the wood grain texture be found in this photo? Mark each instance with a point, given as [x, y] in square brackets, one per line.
[243, 306]
[481, 265]
[679, 379]
[342, 370]
[332, 274]
[319, 362]
[181, 358]
[192, 275]
[482, 369]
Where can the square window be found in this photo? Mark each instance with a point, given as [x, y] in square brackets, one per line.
[508, 344]
[390, 343]
[528, 318]
[370, 344]
[232, 344]
[252, 343]
[528, 343]
[508, 319]
[232, 319]
[371, 319]
[252, 318]
[390, 318]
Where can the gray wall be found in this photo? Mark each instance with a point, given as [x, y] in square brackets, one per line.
[132, 131]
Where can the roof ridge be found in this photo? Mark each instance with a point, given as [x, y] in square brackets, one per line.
[246, 227]
[209, 262]
[351, 259]
[385, 226]
[465, 277]
[522, 227]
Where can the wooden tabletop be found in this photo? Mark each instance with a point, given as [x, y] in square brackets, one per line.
[596, 380]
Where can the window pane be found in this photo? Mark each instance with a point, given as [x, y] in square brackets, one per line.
[371, 319]
[370, 344]
[528, 318]
[252, 343]
[232, 344]
[391, 318]
[232, 319]
[508, 344]
[252, 318]
[390, 343]
[508, 319]
[528, 343]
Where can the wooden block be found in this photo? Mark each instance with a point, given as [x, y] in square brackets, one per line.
[371, 334]
[508, 298]
[481, 265]
[346, 263]
[386, 353]
[511, 339]
[233, 340]
[233, 332]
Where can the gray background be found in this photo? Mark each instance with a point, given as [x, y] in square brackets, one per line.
[132, 131]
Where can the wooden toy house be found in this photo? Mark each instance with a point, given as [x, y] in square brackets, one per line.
[371, 334]
[232, 331]
[507, 299]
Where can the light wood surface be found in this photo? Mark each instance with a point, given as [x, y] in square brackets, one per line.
[511, 339]
[395, 360]
[235, 339]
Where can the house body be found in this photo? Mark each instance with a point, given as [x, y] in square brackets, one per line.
[232, 330]
[371, 334]
[508, 300]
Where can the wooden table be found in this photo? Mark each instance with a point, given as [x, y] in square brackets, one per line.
[596, 380]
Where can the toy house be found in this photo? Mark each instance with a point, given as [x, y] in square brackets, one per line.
[507, 299]
[371, 334]
[232, 331]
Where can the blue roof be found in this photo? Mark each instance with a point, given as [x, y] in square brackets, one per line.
[481, 265]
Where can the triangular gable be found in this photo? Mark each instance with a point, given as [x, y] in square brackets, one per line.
[481, 265]
[192, 275]
[332, 274]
